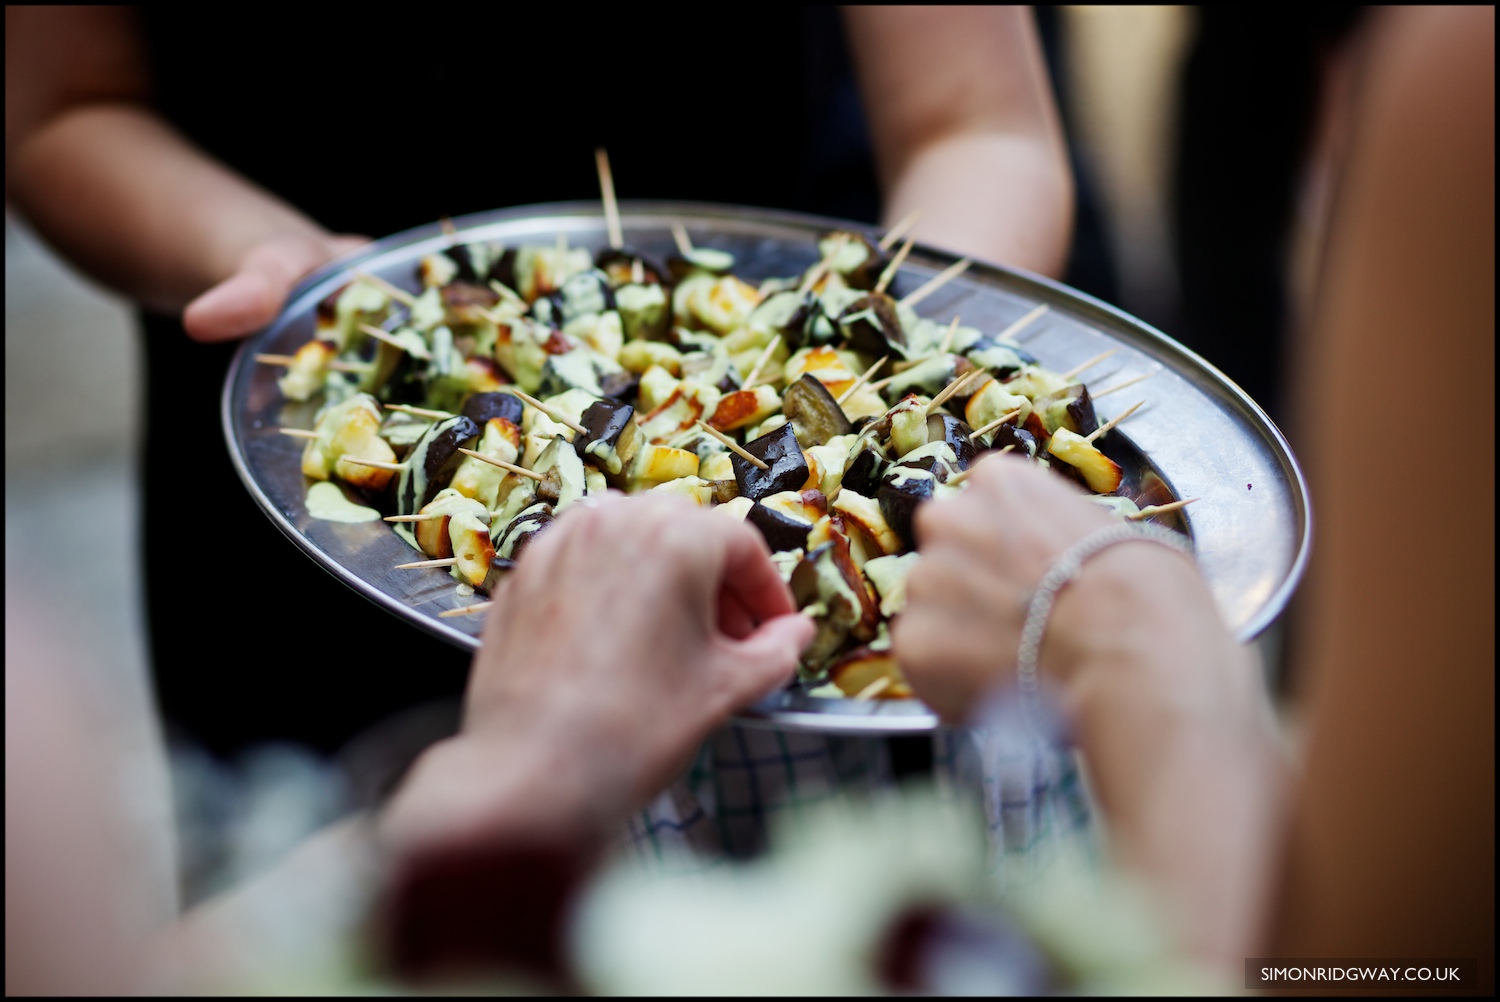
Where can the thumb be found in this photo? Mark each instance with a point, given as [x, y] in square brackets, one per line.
[250, 298]
[756, 664]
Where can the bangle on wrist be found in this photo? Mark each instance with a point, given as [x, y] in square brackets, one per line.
[1063, 570]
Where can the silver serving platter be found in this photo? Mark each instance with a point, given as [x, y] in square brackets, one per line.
[1198, 432]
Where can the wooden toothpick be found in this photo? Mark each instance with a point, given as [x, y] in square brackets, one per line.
[298, 432]
[735, 447]
[395, 292]
[376, 463]
[547, 409]
[947, 341]
[760, 363]
[864, 377]
[899, 230]
[1120, 386]
[506, 292]
[394, 342]
[816, 272]
[952, 388]
[419, 411]
[1106, 427]
[874, 689]
[937, 281]
[1159, 509]
[465, 610]
[335, 365]
[887, 276]
[680, 235]
[994, 424]
[1023, 323]
[510, 467]
[1081, 366]
[607, 189]
[439, 562]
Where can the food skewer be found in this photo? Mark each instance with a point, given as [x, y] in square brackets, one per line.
[947, 341]
[509, 467]
[680, 236]
[395, 292]
[506, 292]
[899, 230]
[439, 562]
[380, 335]
[1081, 366]
[1159, 509]
[465, 610]
[853, 387]
[298, 432]
[937, 281]
[547, 409]
[1120, 386]
[607, 189]
[874, 689]
[735, 447]
[1106, 427]
[760, 363]
[335, 365]
[994, 424]
[887, 276]
[1021, 324]
[373, 463]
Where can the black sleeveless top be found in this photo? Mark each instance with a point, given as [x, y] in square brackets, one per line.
[378, 122]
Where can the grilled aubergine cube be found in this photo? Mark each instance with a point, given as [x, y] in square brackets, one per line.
[481, 407]
[857, 670]
[1024, 441]
[828, 576]
[814, 413]
[782, 454]
[499, 567]
[432, 535]
[785, 518]
[1101, 473]
[955, 434]
[620, 266]
[911, 482]
[645, 310]
[788, 314]
[872, 326]
[611, 436]
[856, 260]
[1001, 358]
[432, 461]
[1069, 408]
[865, 466]
[521, 530]
[567, 480]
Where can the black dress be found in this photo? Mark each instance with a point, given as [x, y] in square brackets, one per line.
[380, 122]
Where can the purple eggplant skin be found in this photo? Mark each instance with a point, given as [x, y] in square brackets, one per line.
[613, 261]
[1081, 416]
[782, 532]
[603, 421]
[518, 541]
[989, 353]
[867, 273]
[1023, 440]
[862, 472]
[503, 269]
[949, 429]
[620, 386]
[480, 407]
[441, 461]
[789, 313]
[808, 404]
[499, 567]
[872, 326]
[781, 451]
[898, 502]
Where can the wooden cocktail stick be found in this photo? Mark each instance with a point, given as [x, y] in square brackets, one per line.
[611, 208]
[1106, 427]
[506, 292]
[419, 411]
[937, 281]
[760, 363]
[952, 388]
[637, 271]
[1120, 386]
[899, 230]
[465, 610]
[816, 272]
[889, 274]
[510, 467]
[1081, 366]
[375, 463]
[298, 432]
[947, 341]
[735, 447]
[1159, 509]
[1021, 324]
[449, 230]
[994, 424]
[881, 384]
[380, 335]
[864, 377]
[547, 409]
[680, 236]
[395, 292]
[335, 365]
[429, 516]
[874, 689]
[439, 562]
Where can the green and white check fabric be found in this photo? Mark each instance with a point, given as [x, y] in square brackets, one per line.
[746, 779]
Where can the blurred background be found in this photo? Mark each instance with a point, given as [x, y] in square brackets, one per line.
[1200, 207]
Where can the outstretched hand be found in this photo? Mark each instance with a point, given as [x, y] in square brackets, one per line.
[626, 633]
[250, 298]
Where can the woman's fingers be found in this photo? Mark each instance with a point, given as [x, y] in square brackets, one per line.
[250, 298]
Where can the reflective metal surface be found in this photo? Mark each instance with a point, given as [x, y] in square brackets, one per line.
[1197, 431]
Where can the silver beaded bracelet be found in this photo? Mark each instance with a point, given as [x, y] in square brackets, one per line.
[1063, 570]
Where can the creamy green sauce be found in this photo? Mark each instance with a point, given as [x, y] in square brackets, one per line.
[327, 502]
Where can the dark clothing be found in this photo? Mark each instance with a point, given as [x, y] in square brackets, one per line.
[383, 122]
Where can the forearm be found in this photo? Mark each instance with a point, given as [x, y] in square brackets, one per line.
[132, 203]
[997, 197]
[1182, 752]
